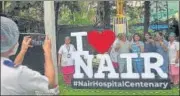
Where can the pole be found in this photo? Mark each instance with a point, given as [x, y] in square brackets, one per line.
[49, 23]
[167, 13]
[179, 17]
[156, 17]
[3, 7]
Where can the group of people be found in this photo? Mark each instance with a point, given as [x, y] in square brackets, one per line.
[169, 50]
[17, 79]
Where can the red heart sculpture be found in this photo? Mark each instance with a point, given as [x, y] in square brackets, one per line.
[101, 41]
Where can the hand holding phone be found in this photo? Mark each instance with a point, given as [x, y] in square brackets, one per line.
[47, 45]
[37, 39]
[26, 43]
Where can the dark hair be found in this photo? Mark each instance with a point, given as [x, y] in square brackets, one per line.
[161, 34]
[137, 35]
[147, 33]
[1, 14]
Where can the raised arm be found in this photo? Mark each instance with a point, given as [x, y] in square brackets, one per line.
[60, 52]
[25, 45]
[164, 46]
[59, 59]
[49, 67]
[177, 53]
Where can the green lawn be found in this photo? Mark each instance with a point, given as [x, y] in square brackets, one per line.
[67, 90]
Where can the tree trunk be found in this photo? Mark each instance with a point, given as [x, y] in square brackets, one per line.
[1, 5]
[146, 15]
[106, 14]
[103, 14]
[179, 19]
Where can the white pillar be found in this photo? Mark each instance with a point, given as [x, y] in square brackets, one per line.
[49, 24]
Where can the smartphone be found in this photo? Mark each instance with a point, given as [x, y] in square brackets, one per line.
[37, 39]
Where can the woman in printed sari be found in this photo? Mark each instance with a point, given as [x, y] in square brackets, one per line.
[124, 47]
[162, 49]
[137, 47]
[114, 53]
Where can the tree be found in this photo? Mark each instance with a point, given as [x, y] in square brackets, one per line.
[103, 14]
[134, 14]
[107, 14]
[146, 15]
[1, 5]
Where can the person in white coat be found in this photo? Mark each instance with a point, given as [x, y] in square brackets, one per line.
[17, 79]
[65, 60]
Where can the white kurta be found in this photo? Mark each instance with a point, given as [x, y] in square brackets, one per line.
[21, 80]
[172, 49]
[64, 51]
[114, 54]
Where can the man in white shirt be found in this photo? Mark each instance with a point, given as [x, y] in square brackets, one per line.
[65, 60]
[17, 79]
[173, 49]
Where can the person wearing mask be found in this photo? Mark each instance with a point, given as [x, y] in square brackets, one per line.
[123, 47]
[65, 60]
[137, 47]
[17, 79]
[173, 50]
[162, 49]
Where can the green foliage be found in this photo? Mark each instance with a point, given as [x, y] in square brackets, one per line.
[64, 17]
[134, 14]
[25, 9]
[71, 13]
[83, 16]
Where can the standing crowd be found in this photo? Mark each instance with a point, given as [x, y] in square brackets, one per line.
[168, 49]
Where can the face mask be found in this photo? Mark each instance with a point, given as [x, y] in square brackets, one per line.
[15, 49]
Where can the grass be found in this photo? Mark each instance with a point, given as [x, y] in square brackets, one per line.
[67, 90]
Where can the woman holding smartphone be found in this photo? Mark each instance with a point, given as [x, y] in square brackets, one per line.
[17, 79]
[149, 44]
[162, 49]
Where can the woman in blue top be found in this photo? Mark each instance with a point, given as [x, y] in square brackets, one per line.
[137, 46]
[149, 44]
[162, 49]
